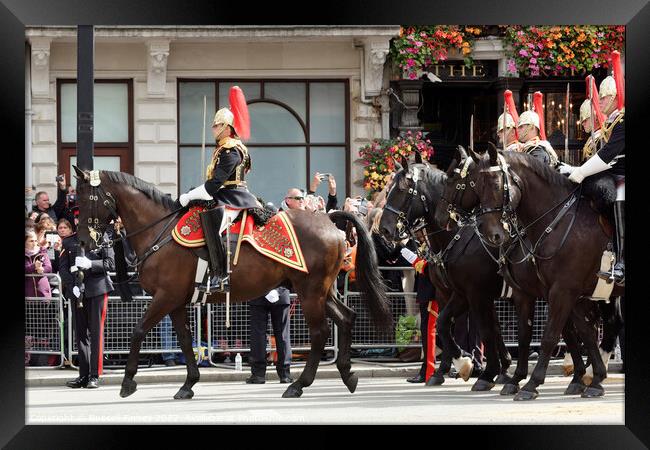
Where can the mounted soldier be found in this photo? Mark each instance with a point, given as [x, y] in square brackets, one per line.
[596, 139]
[508, 121]
[225, 183]
[530, 129]
[611, 157]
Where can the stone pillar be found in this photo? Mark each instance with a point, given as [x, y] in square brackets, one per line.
[40, 67]
[410, 93]
[157, 54]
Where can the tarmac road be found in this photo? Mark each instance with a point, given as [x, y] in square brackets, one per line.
[378, 400]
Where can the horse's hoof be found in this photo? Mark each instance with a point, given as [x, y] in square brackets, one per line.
[523, 395]
[482, 385]
[568, 370]
[351, 382]
[464, 367]
[503, 378]
[509, 389]
[593, 391]
[436, 379]
[128, 387]
[575, 389]
[183, 394]
[292, 392]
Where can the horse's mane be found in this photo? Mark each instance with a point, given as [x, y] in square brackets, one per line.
[431, 177]
[536, 166]
[147, 189]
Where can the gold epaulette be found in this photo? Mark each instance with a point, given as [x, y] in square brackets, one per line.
[607, 128]
[229, 142]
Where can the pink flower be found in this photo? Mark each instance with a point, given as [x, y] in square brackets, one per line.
[412, 76]
[523, 52]
[423, 34]
[535, 53]
[533, 60]
[540, 46]
[418, 44]
[410, 62]
[531, 45]
[511, 67]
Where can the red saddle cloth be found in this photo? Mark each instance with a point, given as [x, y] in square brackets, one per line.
[276, 239]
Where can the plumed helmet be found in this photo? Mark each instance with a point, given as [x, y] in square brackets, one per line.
[510, 122]
[607, 87]
[585, 110]
[223, 116]
[529, 118]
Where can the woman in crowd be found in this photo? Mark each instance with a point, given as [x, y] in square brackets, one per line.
[36, 262]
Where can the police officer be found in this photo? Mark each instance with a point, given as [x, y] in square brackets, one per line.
[225, 185]
[86, 286]
[512, 144]
[528, 129]
[610, 157]
[276, 303]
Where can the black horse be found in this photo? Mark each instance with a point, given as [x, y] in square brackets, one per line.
[525, 203]
[464, 275]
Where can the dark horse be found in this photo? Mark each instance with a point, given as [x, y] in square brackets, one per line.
[463, 274]
[525, 202]
[167, 272]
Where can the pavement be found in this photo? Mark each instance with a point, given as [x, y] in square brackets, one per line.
[39, 377]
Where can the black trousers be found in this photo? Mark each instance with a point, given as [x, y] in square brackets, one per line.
[89, 327]
[259, 312]
[424, 330]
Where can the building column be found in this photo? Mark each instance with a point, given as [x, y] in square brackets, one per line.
[410, 94]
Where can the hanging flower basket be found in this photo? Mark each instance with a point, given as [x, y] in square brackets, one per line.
[378, 157]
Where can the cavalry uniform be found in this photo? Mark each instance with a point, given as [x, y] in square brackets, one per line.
[611, 157]
[513, 145]
[539, 148]
[596, 139]
[225, 185]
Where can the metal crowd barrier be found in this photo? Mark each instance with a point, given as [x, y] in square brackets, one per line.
[44, 323]
[364, 335]
[236, 339]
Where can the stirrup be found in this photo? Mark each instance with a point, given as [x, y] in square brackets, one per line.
[217, 284]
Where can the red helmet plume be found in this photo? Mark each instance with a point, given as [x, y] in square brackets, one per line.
[539, 109]
[511, 108]
[600, 117]
[618, 77]
[239, 109]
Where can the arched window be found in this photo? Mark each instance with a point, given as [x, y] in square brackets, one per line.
[298, 127]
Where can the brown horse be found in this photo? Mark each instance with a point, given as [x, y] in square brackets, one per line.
[167, 271]
[525, 203]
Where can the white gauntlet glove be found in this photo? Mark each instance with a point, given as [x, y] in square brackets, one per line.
[82, 262]
[273, 296]
[198, 193]
[566, 169]
[593, 166]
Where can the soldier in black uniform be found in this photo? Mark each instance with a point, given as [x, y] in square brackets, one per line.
[226, 186]
[88, 296]
[610, 157]
[277, 304]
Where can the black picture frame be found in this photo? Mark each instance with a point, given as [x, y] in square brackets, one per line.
[14, 14]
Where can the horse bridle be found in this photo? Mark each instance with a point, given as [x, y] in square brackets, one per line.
[96, 231]
[402, 217]
[456, 213]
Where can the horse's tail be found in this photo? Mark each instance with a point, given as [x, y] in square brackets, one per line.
[373, 290]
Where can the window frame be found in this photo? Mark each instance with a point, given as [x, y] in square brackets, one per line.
[304, 124]
[123, 150]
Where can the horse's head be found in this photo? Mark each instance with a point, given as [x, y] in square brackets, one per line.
[459, 198]
[97, 207]
[499, 192]
[408, 199]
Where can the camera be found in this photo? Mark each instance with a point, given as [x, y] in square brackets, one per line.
[363, 207]
[324, 176]
[51, 237]
[71, 198]
[59, 178]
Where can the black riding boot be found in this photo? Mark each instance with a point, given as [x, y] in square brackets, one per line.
[219, 279]
[618, 272]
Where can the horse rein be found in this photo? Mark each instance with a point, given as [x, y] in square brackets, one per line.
[456, 213]
[98, 193]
